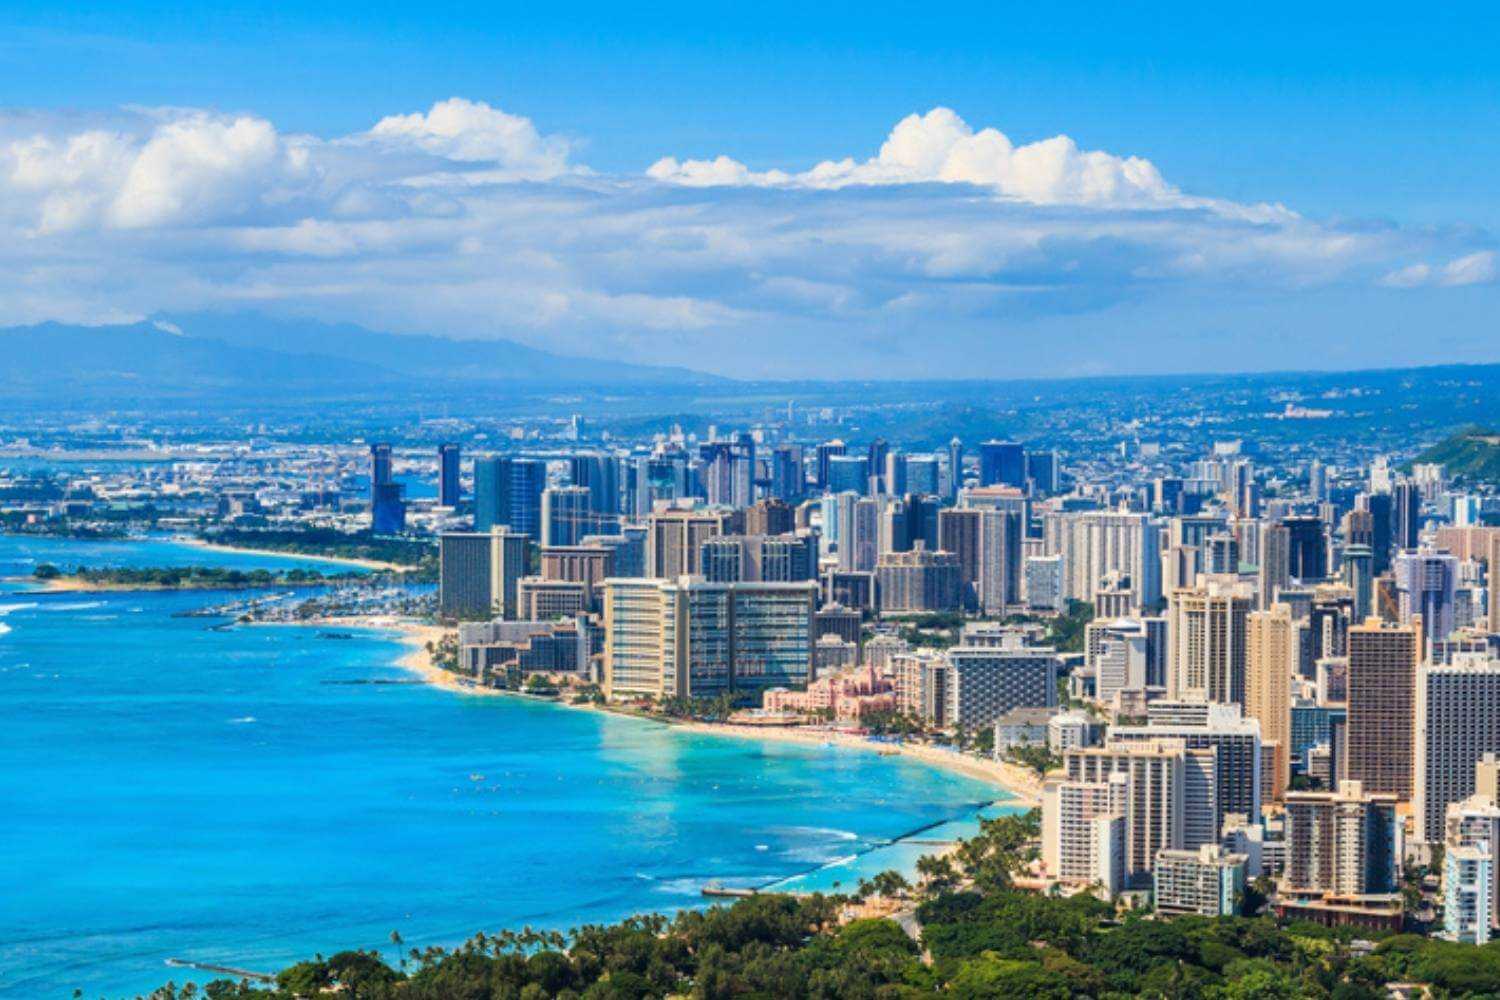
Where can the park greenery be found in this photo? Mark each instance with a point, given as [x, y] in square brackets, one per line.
[185, 577]
[418, 554]
[973, 935]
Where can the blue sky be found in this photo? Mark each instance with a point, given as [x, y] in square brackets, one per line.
[1375, 129]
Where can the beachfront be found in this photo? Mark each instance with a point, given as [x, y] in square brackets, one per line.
[1024, 786]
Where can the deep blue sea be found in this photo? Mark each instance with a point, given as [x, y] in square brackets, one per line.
[245, 796]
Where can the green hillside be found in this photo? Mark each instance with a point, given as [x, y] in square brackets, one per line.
[1473, 454]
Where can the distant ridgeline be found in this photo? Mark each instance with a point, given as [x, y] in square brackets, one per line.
[1473, 454]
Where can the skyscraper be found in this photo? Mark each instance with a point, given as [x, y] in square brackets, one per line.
[450, 490]
[567, 515]
[1426, 584]
[1342, 843]
[1002, 463]
[826, 451]
[674, 540]
[848, 473]
[1407, 513]
[478, 572]
[689, 638]
[1307, 548]
[1208, 627]
[508, 491]
[1382, 706]
[387, 508]
[1270, 660]
[1458, 722]
[955, 468]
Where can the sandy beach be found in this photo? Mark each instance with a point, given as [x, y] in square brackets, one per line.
[370, 564]
[1022, 784]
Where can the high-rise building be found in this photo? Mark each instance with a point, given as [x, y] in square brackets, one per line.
[1382, 526]
[848, 474]
[1002, 463]
[1155, 799]
[1382, 707]
[1207, 882]
[958, 533]
[1270, 660]
[1426, 585]
[1458, 722]
[786, 558]
[1042, 470]
[1406, 501]
[1234, 740]
[984, 683]
[1341, 843]
[826, 452]
[600, 475]
[1094, 544]
[1471, 899]
[674, 540]
[771, 516]
[1274, 564]
[955, 468]
[450, 489]
[1083, 831]
[788, 481]
[922, 476]
[689, 638]
[1207, 630]
[917, 581]
[1307, 548]
[567, 515]
[508, 492]
[478, 573]
[1359, 577]
[875, 464]
[387, 508]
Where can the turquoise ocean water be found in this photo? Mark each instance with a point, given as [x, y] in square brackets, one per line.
[248, 796]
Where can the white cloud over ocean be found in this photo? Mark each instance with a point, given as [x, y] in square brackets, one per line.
[468, 220]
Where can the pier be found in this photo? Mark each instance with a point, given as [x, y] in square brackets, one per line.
[228, 970]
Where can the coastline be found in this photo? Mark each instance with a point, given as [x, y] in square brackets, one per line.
[1023, 786]
[369, 564]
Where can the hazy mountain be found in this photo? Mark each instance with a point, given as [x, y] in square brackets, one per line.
[1473, 454]
[195, 355]
[420, 355]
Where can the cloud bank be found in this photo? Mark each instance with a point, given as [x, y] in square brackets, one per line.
[471, 221]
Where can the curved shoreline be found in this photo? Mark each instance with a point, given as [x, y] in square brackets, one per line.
[1022, 787]
[369, 564]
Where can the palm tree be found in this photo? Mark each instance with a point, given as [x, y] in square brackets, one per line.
[400, 957]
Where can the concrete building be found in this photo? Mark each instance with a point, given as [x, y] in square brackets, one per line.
[478, 572]
[1221, 728]
[674, 541]
[1382, 707]
[1206, 882]
[917, 581]
[1208, 624]
[1342, 843]
[1084, 837]
[1270, 660]
[691, 638]
[1458, 723]
[1094, 543]
[985, 683]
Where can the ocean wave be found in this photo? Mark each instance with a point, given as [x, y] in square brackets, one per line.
[6, 609]
[4, 628]
[831, 833]
[74, 606]
[243, 720]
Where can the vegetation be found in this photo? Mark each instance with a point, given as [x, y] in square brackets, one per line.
[421, 555]
[979, 938]
[1065, 632]
[185, 577]
[1038, 757]
[1473, 454]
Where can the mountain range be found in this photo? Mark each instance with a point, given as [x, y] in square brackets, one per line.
[191, 355]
